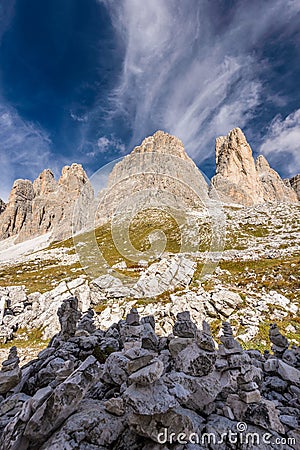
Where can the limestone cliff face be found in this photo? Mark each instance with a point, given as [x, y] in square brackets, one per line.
[72, 184]
[274, 188]
[236, 178]
[157, 172]
[295, 184]
[45, 183]
[44, 205]
[239, 180]
[18, 209]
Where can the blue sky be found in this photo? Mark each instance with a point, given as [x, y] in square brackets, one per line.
[86, 80]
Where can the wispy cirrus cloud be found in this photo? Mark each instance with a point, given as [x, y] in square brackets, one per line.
[282, 142]
[24, 147]
[192, 69]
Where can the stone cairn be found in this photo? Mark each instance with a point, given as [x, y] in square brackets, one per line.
[10, 373]
[127, 388]
[86, 325]
[280, 342]
[68, 316]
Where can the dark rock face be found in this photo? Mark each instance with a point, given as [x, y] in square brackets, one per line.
[2, 206]
[89, 390]
[10, 373]
[295, 184]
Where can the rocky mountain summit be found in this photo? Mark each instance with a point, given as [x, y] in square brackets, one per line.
[127, 388]
[162, 142]
[44, 206]
[157, 172]
[239, 179]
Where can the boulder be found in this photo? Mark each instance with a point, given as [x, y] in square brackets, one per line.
[149, 374]
[150, 399]
[63, 402]
[165, 428]
[194, 392]
[165, 275]
[90, 427]
[192, 360]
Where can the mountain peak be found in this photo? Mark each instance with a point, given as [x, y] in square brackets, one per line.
[239, 179]
[44, 183]
[44, 205]
[162, 142]
[262, 163]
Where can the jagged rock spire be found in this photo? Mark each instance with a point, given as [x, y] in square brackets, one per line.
[45, 205]
[239, 180]
[274, 188]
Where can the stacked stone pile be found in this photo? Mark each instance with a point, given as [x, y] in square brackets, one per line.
[128, 388]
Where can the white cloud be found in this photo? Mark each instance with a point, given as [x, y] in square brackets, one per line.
[186, 74]
[283, 142]
[23, 146]
[112, 143]
[105, 145]
[78, 118]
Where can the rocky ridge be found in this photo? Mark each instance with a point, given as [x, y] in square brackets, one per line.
[239, 179]
[46, 205]
[158, 173]
[128, 388]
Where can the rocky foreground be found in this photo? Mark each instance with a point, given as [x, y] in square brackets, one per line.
[127, 388]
